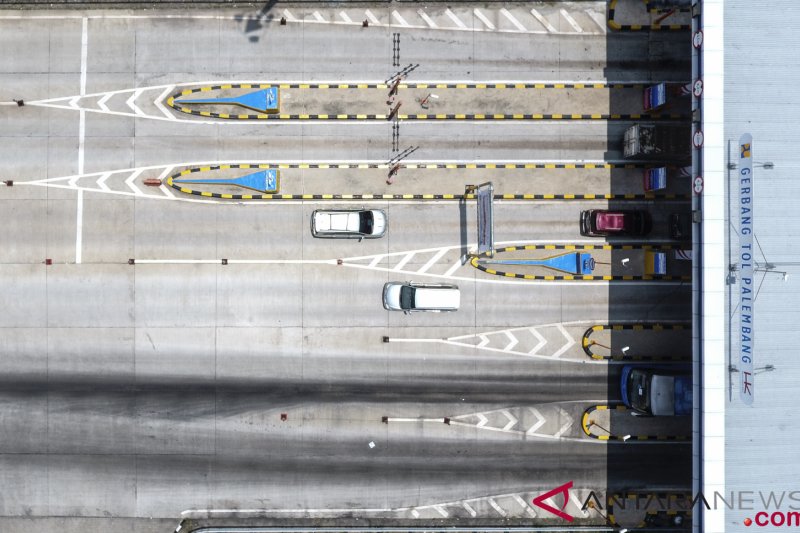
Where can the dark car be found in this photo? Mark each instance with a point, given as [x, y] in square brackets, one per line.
[657, 391]
[604, 223]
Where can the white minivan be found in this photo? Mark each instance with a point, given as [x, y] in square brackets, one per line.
[408, 296]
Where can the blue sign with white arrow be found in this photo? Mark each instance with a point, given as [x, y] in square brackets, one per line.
[264, 100]
[267, 181]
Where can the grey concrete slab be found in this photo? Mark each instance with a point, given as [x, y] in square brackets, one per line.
[25, 486]
[259, 295]
[91, 424]
[25, 300]
[107, 234]
[175, 295]
[175, 422]
[259, 232]
[175, 230]
[61, 226]
[167, 485]
[25, 158]
[25, 353]
[91, 485]
[165, 356]
[93, 355]
[99, 296]
[111, 47]
[252, 355]
[23, 241]
[24, 417]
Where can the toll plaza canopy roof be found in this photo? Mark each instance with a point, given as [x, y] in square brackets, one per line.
[747, 283]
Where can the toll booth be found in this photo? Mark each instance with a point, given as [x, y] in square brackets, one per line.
[662, 95]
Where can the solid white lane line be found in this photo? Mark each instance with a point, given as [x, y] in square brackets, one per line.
[372, 18]
[543, 21]
[400, 19]
[572, 22]
[513, 20]
[482, 18]
[457, 21]
[81, 142]
[429, 21]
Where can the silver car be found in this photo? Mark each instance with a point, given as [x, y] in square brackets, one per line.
[408, 296]
[348, 223]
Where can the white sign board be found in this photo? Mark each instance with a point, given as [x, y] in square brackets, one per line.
[746, 259]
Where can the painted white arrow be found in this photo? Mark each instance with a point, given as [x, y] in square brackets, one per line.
[542, 341]
[484, 341]
[540, 421]
[101, 181]
[131, 102]
[568, 345]
[567, 424]
[159, 102]
[483, 420]
[73, 103]
[102, 102]
[131, 179]
[512, 341]
[512, 420]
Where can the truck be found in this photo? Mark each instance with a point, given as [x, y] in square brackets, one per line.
[659, 142]
[657, 391]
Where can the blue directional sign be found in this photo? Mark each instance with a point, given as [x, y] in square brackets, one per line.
[572, 262]
[264, 100]
[267, 181]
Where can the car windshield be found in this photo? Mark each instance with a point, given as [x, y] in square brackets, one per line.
[366, 223]
[407, 297]
[639, 390]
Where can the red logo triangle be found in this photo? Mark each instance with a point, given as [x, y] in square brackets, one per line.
[539, 501]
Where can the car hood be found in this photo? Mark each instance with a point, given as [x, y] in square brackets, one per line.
[391, 296]
[378, 222]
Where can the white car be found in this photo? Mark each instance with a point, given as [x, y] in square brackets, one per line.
[348, 223]
[408, 296]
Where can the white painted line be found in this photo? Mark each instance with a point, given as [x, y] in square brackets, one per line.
[482, 420]
[345, 17]
[469, 509]
[482, 18]
[453, 268]
[578, 504]
[73, 102]
[131, 179]
[441, 511]
[540, 421]
[101, 182]
[599, 19]
[131, 102]
[512, 341]
[497, 508]
[568, 345]
[524, 505]
[319, 17]
[84, 52]
[540, 344]
[102, 102]
[567, 424]
[512, 420]
[167, 192]
[429, 21]
[403, 261]
[570, 20]
[414, 513]
[372, 18]
[513, 20]
[159, 102]
[400, 19]
[374, 262]
[484, 341]
[289, 16]
[543, 21]
[432, 261]
[455, 19]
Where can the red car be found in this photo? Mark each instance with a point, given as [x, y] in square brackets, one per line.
[603, 223]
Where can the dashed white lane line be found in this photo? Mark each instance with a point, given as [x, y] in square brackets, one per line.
[482, 18]
[372, 18]
[81, 142]
[570, 20]
[507, 14]
[84, 52]
[345, 17]
[457, 21]
[400, 20]
[543, 21]
[429, 21]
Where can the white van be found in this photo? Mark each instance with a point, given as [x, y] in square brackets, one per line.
[408, 296]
